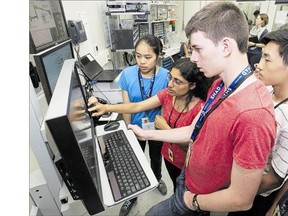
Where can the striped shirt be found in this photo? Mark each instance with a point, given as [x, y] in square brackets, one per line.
[279, 156]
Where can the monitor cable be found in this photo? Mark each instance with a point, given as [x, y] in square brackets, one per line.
[103, 101]
[76, 48]
[98, 90]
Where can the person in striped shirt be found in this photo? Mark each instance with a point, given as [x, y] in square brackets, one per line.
[273, 71]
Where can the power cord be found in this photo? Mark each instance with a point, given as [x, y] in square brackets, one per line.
[88, 86]
[113, 65]
[98, 90]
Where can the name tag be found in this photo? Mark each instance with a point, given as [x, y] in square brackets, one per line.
[170, 154]
[146, 125]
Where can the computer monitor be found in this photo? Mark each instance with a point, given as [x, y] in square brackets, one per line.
[49, 64]
[47, 24]
[72, 139]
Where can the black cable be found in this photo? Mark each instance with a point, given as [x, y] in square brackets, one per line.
[108, 101]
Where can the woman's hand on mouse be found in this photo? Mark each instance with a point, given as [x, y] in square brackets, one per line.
[96, 108]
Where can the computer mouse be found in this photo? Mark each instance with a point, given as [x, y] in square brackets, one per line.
[111, 126]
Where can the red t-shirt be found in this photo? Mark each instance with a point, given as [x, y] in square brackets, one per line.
[184, 119]
[242, 128]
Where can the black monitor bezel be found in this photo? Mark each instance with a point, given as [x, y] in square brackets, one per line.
[38, 58]
[62, 140]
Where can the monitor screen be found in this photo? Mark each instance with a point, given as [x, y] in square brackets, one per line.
[49, 64]
[71, 136]
[47, 24]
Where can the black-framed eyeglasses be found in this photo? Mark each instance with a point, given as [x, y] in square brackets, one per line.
[175, 82]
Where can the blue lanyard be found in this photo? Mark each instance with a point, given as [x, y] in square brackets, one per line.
[207, 109]
[141, 83]
[142, 89]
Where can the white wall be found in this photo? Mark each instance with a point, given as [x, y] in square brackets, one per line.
[89, 13]
[190, 8]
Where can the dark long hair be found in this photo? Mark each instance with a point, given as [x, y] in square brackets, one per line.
[190, 72]
[152, 42]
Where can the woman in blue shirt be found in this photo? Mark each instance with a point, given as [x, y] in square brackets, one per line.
[138, 83]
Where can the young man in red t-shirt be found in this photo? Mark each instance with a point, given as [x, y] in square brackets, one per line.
[236, 128]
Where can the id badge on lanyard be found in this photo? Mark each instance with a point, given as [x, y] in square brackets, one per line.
[147, 125]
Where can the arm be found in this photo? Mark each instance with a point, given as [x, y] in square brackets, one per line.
[237, 197]
[280, 193]
[250, 44]
[161, 123]
[126, 107]
[259, 45]
[270, 181]
[175, 135]
[279, 167]
[126, 100]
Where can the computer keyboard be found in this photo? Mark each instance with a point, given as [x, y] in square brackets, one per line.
[126, 175]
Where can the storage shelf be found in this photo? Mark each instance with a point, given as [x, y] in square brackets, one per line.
[121, 50]
[127, 13]
[155, 14]
[163, 4]
[168, 20]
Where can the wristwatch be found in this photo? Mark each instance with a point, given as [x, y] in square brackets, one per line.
[195, 203]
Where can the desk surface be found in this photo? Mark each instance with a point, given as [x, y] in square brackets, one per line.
[112, 117]
[171, 51]
[106, 91]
